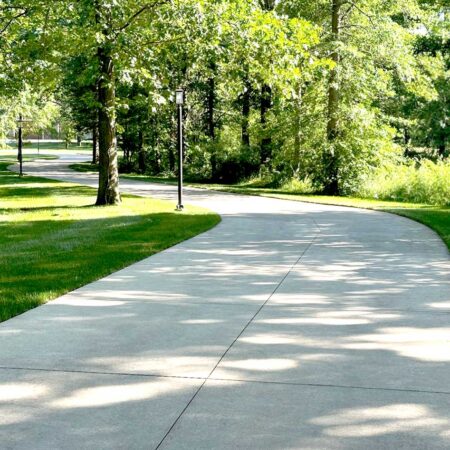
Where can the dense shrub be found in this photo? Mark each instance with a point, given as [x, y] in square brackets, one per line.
[296, 186]
[235, 169]
[128, 165]
[428, 182]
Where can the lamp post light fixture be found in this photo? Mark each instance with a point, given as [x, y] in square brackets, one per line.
[179, 100]
[20, 121]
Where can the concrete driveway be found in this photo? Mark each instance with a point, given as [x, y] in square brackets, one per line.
[288, 326]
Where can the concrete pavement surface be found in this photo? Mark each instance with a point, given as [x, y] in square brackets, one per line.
[288, 326]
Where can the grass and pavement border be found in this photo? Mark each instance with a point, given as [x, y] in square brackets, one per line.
[53, 240]
[435, 217]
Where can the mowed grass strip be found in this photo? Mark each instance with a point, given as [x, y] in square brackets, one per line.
[53, 240]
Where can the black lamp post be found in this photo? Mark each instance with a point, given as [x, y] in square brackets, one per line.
[20, 121]
[179, 98]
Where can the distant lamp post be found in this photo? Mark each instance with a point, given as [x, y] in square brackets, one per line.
[20, 121]
[179, 98]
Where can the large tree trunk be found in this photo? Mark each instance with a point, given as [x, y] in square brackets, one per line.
[108, 183]
[330, 157]
[108, 186]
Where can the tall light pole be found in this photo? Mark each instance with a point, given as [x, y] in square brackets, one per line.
[179, 98]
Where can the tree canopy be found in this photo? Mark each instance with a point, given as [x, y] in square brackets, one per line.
[324, 91]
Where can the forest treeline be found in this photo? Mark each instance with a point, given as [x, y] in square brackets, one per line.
[320, 92]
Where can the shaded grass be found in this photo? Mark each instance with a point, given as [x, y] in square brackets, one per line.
[86, 167]
[52, 240]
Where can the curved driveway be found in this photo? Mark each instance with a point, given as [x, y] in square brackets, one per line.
[288, 326]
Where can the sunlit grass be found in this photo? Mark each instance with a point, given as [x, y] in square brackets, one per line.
[52, 240]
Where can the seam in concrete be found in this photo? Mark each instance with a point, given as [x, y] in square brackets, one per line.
[99, 372]
[362, 309]
[179, 377]
[336, 386]
[238, 336]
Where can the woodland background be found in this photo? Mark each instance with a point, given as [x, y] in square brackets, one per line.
[328, 96]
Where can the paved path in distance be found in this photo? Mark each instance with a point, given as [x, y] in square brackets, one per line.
[288, 326]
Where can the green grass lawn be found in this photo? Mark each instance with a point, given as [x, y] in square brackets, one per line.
[435, 217]
[52, 240]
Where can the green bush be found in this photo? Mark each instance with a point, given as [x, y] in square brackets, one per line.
[428, 182]
[258, 181]
[296, 186]
[128, 165]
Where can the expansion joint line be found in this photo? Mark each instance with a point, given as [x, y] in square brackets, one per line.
[239, 335]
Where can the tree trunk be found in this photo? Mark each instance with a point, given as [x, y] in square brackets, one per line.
[108, 185]
[246, 113]
[210, 119]
[407, 141]
[330, 157]
[211, 103]
[266, 140]
[266, 103]
[157, 164]
[141, 154]
[298, 129]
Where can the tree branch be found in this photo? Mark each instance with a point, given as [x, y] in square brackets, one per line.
[364, 13]
[140, 11]
[11, 20]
